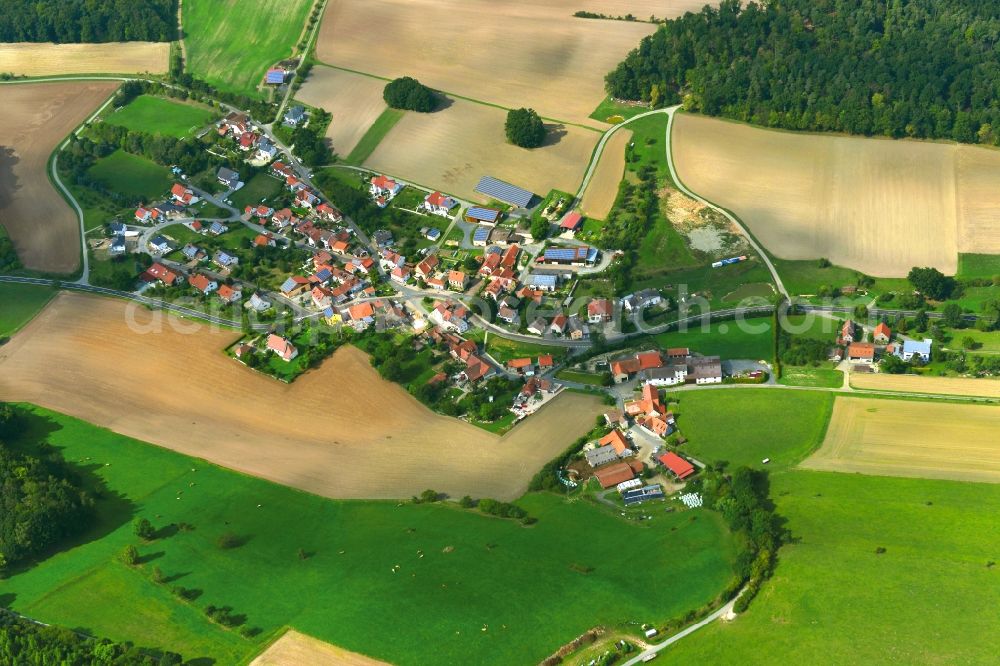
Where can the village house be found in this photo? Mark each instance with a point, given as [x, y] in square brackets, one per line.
[247, 141]
[457, 280]
[882, 334]
[306, 198]
[383, 189]
[266, 150]
[545, 363]
[159, 272]
[601, 455]
[624, 369]
[538, 326]
[223, 259]
[618, 443]
[259, 302]
[576, 329]
[329, 213]
[600, 310]
[283, 218]
[217, 228]
[117, 246]
[543, 282]
[294, 285]
[521, 366]
[294, 117]
[159, 244]
[508, 315]
[919, 349]
[143, 215]
[284, 349]
[230, 294]
[641, 300]
[704, 369]
[436, 283]
[360, 316]
[679, 467]
[426, 267]
[847, 332]
[262, 211]
[264, 240]
[203, 283]
[183, 195]
[391, 259]
[450, 316]
[400, 274]
[558, 325]
[861, 352]
[668, 375]
[227, 177]
[439, 204]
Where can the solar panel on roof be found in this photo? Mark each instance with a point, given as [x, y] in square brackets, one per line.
[504, 191]
[486, 214]
[481, 234]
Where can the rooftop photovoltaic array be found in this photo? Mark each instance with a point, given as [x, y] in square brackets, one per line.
[504, 191]
[566, 254]
[485, 214]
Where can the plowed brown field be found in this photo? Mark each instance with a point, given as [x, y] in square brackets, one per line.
[36, 118]
[338, 431]
[354, 100]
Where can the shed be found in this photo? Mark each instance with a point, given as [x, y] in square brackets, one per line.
[482, 215]
[504, 191]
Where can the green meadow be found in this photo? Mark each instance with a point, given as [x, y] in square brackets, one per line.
[929, 598]
[132, 176]
[742, 426]
[231, 43]
[411, 584]
[747, 339]
[157, 115]
[19, 303]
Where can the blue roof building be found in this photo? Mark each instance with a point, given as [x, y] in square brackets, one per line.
[275, 76]
[481, 235]
[483, 215]
[570, 255]
[547, 282]
[918, 348]
[504, 191]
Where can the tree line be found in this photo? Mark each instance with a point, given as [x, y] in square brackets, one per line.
[73, 21]
[42, 501]
[921, 68]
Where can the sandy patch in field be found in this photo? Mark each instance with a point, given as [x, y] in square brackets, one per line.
[295, 649]
[45, 59]
[909, 438]
[453, 148]
[339, 431]
[355, 101]
[876, 205]
[506, 52]
[599, 197]
[37, 116]
[987, 388]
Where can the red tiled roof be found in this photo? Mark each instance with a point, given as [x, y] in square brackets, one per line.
[680, 467]
[861, 350]
[612, 475]
[616, 439]
[519, 363]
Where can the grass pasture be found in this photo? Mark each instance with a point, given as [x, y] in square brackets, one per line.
[821, 377]
[875, 205]
[737, 425]
[158, 115]
[452, 148]
[37, 117]
[749, 339]
[978, 265]
[231, 43]
[909, 438]
[927, 593]
[388, 560]
[261, 186]
[19, 303]
[46, 59]
[132, 175]
[353, 100]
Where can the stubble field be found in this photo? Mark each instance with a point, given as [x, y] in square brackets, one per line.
[503, 52]
[986, 388]
[875, 205]
[909, 438]
[37, 116]
[180, 391]
[354, 101]
[295, 648]
[600, 194]
[45, 59]
[452, 148]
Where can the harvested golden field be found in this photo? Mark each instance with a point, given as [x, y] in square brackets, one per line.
[600, 194]
[37, 117]
[908, 438]
[339, 431]
[452, 148]
[354, 100]
[876, 205]
[986, 388]
[44, 59]
[505, 52]
[295, 649]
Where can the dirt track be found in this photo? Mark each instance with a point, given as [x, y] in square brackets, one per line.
[37, 116]
[876, 205]
[295, 649]
[452, 148]
[339, 431]
[108, 58]
[909, 438]
[355, 102]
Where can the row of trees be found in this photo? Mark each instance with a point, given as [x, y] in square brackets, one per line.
[72, 21]
[921, 68]
[42, 501]
[25, 642]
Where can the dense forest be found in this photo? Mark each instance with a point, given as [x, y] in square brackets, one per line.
[41, 502]
[71, 21]
[918, 68]
[25, 643]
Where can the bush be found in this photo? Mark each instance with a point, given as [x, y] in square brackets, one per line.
[466, 502]
[502, 509]
[143, 529]
[409, 94]
[129, 555]
[524, 128]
